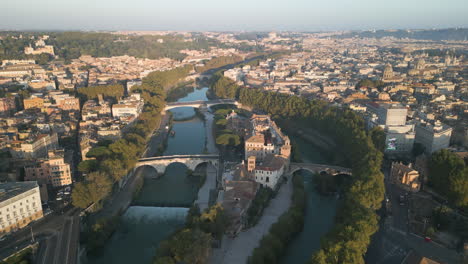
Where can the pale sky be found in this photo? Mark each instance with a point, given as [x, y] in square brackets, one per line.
[249, 15]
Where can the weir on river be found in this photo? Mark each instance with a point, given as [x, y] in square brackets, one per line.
[144, 225]
[162, 204]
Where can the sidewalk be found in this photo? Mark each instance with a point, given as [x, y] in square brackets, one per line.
[237, 250]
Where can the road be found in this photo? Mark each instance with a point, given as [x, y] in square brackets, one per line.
[237, 250]
[58, 237]
[393, 241]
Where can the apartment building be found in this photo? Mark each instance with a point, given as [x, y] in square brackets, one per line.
[34, 147]
[53, 170]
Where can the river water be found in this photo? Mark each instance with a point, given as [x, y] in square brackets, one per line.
[162, 204]
[319, 214]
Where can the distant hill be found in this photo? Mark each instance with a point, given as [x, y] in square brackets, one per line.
[430, 34]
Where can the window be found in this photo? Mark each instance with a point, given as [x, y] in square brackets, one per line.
[267, 179]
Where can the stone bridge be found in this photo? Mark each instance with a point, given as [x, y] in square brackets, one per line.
[191, 161]
[198, 104]
[317, 168]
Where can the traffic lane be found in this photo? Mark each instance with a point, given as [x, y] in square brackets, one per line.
[50, 251]
[399, 211]
[64, 243]
[74, 242]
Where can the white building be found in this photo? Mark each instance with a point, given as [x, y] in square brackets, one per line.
[433, 137]
[131, 106]
[20, 204]
[399, 139]
[269, 171]
[392, 114]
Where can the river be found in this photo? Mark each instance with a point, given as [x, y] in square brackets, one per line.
[319, 214]
[162, 204]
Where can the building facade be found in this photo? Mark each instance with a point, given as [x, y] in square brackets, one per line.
[433, 137]
[20, 204]
[54, 170]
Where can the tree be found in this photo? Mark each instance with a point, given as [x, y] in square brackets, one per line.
[98, 153]
[228, 140]
[96, 186]
[87, 166]
[187, 246]
[448, 175]
[378, 138]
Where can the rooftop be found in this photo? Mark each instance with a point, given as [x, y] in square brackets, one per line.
[9, 190]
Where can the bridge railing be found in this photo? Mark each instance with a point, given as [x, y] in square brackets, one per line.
[202, 156]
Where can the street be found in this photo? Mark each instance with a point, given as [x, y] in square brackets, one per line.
[393, 241]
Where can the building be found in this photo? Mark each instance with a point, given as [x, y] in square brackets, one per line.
[266, 138]
[269, 171]
[405, 176]
[392, 114]
[68, 103]
[388, 72]
[7, 105]
[433, 137]
[129, 107]
[39, 50]
[54, 170]
[33, 102]
[34, 147]
[20, 204]
[399, 139]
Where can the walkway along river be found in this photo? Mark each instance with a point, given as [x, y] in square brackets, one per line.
[162, 204]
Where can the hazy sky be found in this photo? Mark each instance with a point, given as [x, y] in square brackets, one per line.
[308, 15]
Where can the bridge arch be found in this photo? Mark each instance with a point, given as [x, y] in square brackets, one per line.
[319, 168]
[314, 171]
[159, 170]
[190, 161]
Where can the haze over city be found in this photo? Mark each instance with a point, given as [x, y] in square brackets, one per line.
[233, 132]
[242, 15]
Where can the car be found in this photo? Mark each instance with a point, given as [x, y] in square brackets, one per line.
[427, 239]
[58, 198]
[3, 238]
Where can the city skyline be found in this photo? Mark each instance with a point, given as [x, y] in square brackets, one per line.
[208, 15]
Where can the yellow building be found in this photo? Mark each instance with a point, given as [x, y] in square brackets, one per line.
[33, 102]
[405, 176]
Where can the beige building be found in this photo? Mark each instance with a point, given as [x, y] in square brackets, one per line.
[36, 147]
[39, 50]
[405, 176]
[20, 204]
[33, 102]
[433, 137]
[53, 171]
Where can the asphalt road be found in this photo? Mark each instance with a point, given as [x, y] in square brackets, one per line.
[393, 241]
[57, 234]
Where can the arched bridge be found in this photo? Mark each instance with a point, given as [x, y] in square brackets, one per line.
[197, 104]
[318, 168]
[191, 161]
